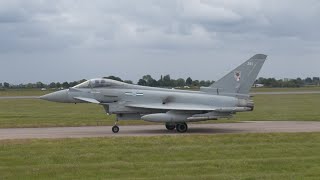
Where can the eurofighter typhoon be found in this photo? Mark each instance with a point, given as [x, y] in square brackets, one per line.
[175, 108]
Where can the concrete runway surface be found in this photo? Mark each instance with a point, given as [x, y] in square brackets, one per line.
[155, 130]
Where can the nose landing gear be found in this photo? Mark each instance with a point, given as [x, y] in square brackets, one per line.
[115, 128]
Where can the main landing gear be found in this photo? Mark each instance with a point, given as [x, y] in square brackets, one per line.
[170, 126]
[180, 127]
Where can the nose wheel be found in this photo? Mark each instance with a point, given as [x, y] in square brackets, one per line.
[115, 129]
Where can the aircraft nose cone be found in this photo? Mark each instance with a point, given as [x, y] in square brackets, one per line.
[59, 96]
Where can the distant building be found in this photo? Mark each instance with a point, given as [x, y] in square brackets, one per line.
[258, 85]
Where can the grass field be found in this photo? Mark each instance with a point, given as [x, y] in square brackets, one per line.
[310, 88]
[23, 92]
[303, 107]
[39, 113]
[240, 156]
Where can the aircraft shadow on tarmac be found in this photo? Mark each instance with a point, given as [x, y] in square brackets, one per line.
[190, 131]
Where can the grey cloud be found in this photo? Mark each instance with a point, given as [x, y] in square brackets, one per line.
[162, 29]
[157, 24]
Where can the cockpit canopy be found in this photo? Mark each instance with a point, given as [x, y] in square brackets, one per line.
[98, 83]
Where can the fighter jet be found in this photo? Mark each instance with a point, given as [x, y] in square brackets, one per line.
[173, 107]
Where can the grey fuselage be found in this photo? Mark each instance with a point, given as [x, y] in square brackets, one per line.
[130, 101]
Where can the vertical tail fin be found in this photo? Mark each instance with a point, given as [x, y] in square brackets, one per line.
[242, 78]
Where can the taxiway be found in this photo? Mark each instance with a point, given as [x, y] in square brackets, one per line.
[155, 130]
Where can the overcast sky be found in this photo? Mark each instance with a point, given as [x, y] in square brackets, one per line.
[66, 40]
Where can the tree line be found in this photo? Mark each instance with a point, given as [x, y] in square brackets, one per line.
[298, 82]
[167, 81]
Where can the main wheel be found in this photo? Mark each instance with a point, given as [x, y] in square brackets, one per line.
[182, 127]
[115, 129]
[170, 126]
